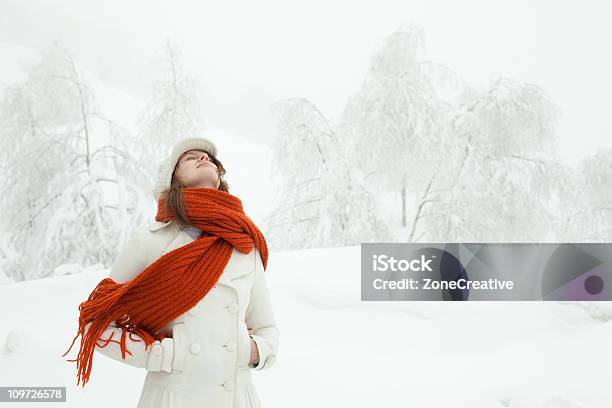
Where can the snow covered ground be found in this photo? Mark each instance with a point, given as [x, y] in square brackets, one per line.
[336, 350]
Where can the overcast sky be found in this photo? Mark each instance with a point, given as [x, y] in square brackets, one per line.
[248, 54]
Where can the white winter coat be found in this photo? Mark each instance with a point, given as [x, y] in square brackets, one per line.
[205, 362]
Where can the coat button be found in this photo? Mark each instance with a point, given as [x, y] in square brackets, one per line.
[157, 349]
[194, 348]
[231, 346]
[228, 385]
[233, 307]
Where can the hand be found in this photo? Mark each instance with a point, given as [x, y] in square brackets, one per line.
[254, 350]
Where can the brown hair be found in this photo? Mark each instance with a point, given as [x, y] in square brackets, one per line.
[174, 195]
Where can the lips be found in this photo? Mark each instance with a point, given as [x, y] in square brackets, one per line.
[204, 164]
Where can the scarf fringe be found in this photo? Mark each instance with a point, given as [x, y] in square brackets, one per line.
[97, 314]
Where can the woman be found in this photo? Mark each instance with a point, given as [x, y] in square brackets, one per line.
[187, 298]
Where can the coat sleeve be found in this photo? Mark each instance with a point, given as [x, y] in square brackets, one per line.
[260, 318]
[159, 357]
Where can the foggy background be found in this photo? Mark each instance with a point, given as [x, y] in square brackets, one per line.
[338, 123]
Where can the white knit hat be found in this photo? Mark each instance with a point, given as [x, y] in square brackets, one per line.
[166, 167]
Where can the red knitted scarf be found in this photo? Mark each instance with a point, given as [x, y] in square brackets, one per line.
[172, 284]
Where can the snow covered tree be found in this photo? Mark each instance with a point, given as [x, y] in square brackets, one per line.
[320, 202]
[586, 203]
[396, 120]
[507, 183]
[172, 113]
[58, 172]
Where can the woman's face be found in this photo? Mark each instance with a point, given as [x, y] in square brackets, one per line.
[195, 169]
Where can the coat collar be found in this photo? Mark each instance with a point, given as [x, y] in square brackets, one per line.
[159, 225]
